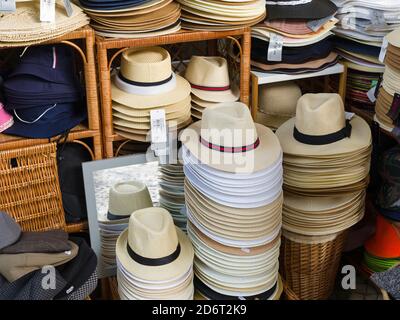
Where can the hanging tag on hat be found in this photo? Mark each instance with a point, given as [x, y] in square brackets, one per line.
[315, 25]
[158, 129]
[372, 93]
[68, 7]
[384, 48]
[47, 10]
[7, 6]
[377, 19]
[275, 47]
[349, 115]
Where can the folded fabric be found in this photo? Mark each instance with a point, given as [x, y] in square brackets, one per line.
[389, 280]
[15, 266]
[10, 231]
[52, 241]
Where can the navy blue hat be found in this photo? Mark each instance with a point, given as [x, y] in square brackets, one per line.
[111, 5]
[46, 121]
[50, 63]
[356, 47]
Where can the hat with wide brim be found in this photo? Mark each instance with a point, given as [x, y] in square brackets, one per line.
[156, 273]
[360, 138]
[307, 10]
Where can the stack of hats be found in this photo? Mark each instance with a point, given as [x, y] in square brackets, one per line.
[210, 83]
[221, 15]
[133, 18]
[326, 166]
[172, 194]
[155, 258]
[233, 192]
[387, 108]
[277, 103]
[43, 93]
[23, 27]
[124, 198]
[295, 37]
[359, 83]
[145, 82]
[26, 259]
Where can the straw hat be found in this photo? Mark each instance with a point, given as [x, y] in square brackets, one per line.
[209, 79]
[168, 255]
[227, 139]
[277, 103]
[127, 197]
[320, 128]
[146, 80]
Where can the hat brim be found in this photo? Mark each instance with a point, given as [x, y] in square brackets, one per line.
[360, 138]
[265, 155]
[157, 273]
[179, 93]
[316, 9]
[230, 95]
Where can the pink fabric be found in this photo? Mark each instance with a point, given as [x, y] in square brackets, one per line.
[291, 27]
[6, 120]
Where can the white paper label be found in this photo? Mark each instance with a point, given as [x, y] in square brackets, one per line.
[384, 47]
[158, 127]
[349, 115]
[7, 6]
[371, 94]
[68, 7]
[275, 47]
[377, 18]
[247, 250]
[315, 25]
[47, 10]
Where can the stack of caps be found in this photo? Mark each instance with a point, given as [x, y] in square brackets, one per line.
[172, 194]
[326, 165]
[145, 82]
[43, 94]
[124, 198]
[382, 251]
[387, 108]
[359, 83]
[155, 258]
[23, 27]
[220, 15]
[367, 21]
[210, 82]
[233, 192]
[26, 259]
[295, 37]
[277, 103]
[133, 18]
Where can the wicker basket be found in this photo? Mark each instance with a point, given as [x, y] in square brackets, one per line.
[29, 187]
[309, 266]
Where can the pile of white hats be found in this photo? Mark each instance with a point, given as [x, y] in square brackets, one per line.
[210, 82]
[233, 192]
[155, 258]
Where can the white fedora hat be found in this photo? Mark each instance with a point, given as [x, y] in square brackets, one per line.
[146, 80]
[152, 248]
[127, 197]
[227, 139]
[209, 79]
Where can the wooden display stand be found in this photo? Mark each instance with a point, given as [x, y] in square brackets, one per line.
[109, 49]
[81, 40]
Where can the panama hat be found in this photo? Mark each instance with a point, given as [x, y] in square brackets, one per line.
[167, 256]
[209, 79]
[145, 79]
[254, 149]
[320, 128]
[306, 9]
[127, 197]
[277, 103]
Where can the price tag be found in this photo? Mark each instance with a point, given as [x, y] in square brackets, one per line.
[371, 94]
[315, 25]
[275, 47]
[349, 115]
[384, 48]
[378, 18]
[158, 127]
[68, 7]
[7, 6]
[47, 10]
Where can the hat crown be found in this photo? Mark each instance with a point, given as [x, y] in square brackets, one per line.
[229, 125]
[146, 65]
[320, 114]
[279, 99]
[127, 197]
[152, 233]
[207, 71]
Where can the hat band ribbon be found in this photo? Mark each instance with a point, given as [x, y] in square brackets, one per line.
[216, 147]
[111, 216]
[37, 119]
[151, 261]
[324, 139]
[287, 3]
[144, 84]
[204, 88]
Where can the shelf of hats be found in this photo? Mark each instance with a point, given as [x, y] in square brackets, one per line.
[267, 200]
